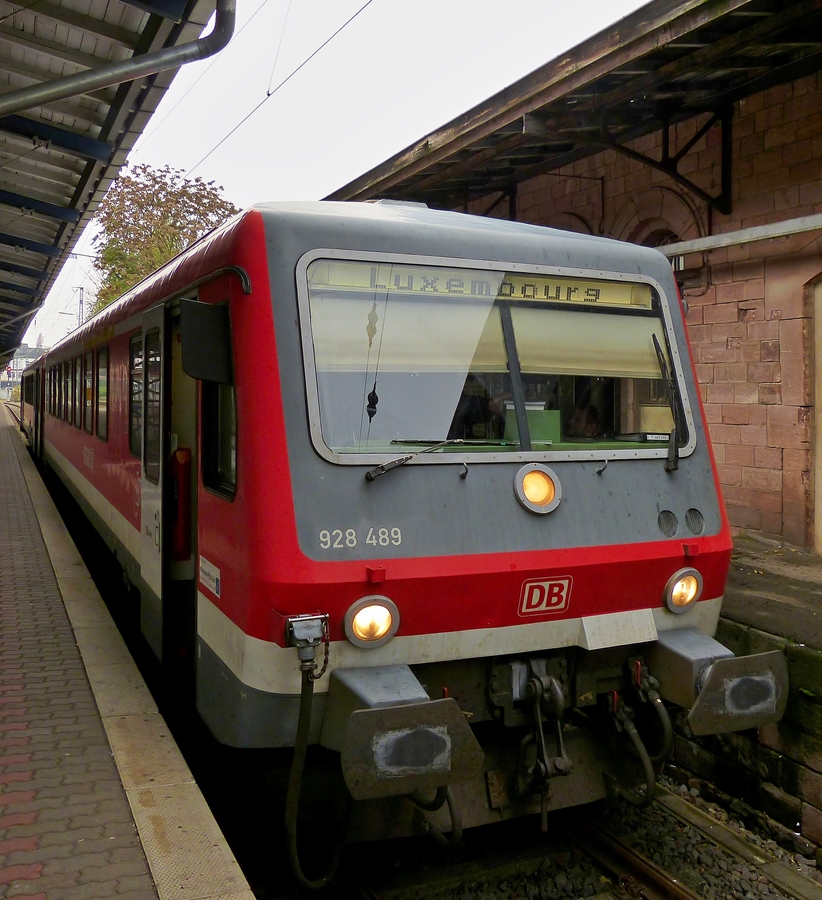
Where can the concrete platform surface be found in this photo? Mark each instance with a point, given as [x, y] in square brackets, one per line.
[95, 799]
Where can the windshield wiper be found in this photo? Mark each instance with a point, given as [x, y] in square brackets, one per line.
[672, 462]
[371, 474]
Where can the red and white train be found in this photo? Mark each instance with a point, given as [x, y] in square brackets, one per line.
[433, 491]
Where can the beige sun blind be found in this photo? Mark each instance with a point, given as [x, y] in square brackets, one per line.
[571, 343]
[414, 335]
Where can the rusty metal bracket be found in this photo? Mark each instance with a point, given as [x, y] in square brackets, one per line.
[669, 163]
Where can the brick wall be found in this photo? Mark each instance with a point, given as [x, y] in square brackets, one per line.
[751, 306]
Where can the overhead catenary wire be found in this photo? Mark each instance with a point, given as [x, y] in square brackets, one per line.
[279, 47]
[270, 94]
[212, 63]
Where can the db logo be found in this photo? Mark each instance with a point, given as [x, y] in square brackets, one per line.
[545, 597]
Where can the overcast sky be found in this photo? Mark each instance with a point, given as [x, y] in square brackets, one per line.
[397, 71]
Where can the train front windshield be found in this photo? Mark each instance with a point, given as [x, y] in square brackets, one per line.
[482, 360]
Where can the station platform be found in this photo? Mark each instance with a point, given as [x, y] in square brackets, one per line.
[96, 800]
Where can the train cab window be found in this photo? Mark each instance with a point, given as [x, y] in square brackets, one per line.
[102, 393]
[88, 391]
[480, 361]
[152, 425]
[135, 429]
[219, 438]
[78, 392]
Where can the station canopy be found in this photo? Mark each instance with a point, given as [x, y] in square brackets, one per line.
[59, 156]
[668, 62]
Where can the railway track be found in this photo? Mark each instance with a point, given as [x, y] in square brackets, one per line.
[594, 861]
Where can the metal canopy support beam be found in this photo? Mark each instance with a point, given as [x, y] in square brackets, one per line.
[18, 288]
[127, 69]
[52, 210]
[784, 228]
[168, 9]
[58, 137]
[27, 271]
[14, 240]
[669, 164]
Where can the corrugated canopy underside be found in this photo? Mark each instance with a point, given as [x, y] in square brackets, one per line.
[669, 61]
[57, 160]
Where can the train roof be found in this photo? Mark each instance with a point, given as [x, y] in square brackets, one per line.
[382, 225]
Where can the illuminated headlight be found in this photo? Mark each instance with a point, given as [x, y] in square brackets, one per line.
[537, 488]
[371, 621]
[682, 590]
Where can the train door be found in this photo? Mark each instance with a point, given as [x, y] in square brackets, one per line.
[153, 465]
[38, 411]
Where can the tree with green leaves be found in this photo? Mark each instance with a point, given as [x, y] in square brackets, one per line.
[147, 217]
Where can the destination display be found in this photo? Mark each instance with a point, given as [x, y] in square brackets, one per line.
[477, 284]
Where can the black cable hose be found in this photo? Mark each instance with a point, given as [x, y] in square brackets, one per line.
[667, 728]
[295, 783]
[635, 796]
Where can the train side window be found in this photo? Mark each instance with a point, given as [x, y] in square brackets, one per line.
[88, 391]
[152, 425]
[102, 393]
[78, 391]
[135, 429]
[219, 438]
[66, 411]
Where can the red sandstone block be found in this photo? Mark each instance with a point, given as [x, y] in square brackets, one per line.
[780, 135]
[794, 359]
[763, 183]
[767, 161]
[704, 373]
[797, 151]
[749, 106]
[769, 117]
[729, 293]
[755, 435]
[762, 372]
[735, 414]
[746, 393]
[739, 454]
[788, 426]
[694, 316]
[739, 252]
[730, 372]
[720, 332]
[768, 457]
[762, 330]
[811, 823]
[12, 819]
[810, 193]
[719, 392]
[786, 199]
[714, 353]
[802, 86]
[713, 412]
[769, 350]
[700, 334]
[772, 523]
[750, 351]
[778, 94]
[730, 475]
[750, 146]
[754, 289]
[721, 312]
[801, 107]
[742, 517]
[795, 523]
[762, 479]
[725, 434]
[804, 173]
[15, 760]
[743, 271]
[743, 126]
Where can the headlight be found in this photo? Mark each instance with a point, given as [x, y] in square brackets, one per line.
[537, 488]
[683, 589]
[371, 621]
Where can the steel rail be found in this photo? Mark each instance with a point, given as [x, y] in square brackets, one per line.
[631, 869]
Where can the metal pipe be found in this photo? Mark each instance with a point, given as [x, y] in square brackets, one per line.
[127, 69]
[785, 228]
